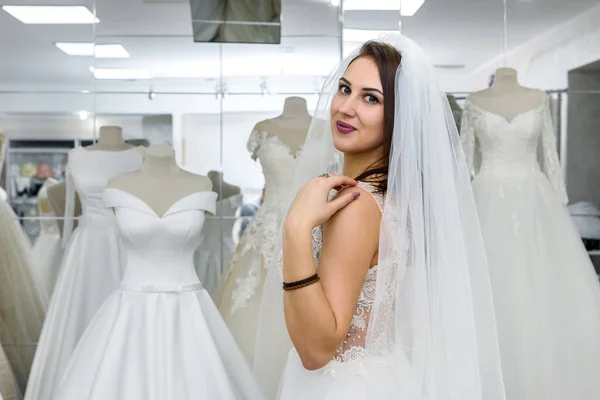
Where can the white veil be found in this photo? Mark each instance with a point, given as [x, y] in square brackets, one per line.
[433, 303]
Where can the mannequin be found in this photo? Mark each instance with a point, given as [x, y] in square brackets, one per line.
[223, 189]
[291, 126]
[506, 97]
[110, 139]
[57, 195]
[3, 141]
[160, 182]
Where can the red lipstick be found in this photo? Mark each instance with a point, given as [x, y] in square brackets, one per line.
[344, 128]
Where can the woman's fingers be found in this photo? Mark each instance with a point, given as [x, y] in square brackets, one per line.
[337, 181]
[340, 202]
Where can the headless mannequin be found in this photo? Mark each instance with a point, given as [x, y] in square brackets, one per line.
[160, 182]
[57, 195]
[222, 188]
[506, 97]
[291, 126]
[110, 139]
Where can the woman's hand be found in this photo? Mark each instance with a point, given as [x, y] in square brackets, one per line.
[312, 207]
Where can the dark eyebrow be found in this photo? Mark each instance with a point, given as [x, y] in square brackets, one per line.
[365, 89]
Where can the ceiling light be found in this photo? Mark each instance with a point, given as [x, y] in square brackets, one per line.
[83, 115]
[335, 3]
[122, 74]
[52, 14]
[362, 35]
[408, 8]
[87, 49]
[362, 5]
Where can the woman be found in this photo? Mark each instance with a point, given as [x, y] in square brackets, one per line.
[388, 297]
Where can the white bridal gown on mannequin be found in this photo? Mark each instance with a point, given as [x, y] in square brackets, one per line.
[91, 267]
[546, 292]
[217, 245]
[21, 306]
[159, 336]
[240, 296]
[47, 250]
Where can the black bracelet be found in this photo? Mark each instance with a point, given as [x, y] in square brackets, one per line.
[303, 283]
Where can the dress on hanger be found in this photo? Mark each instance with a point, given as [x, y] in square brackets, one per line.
[22, 308]
[546, 292]
[91, 266]
[159, 336]
[47, 250]
[217, 245]
[351, 374]
[241, 293]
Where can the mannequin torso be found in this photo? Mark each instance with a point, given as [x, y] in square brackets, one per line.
[57, 195]
[506, 97]
[221, 188]
[291, 126]
[110, 139]
[160, 182]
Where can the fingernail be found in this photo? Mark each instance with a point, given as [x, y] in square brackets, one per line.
[355, 195]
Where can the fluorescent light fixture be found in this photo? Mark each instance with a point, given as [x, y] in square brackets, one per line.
[365, 5]
[362, 35]
[52, 14]
[87, 49]
[121, 74]
[408, 8]
[83, 115]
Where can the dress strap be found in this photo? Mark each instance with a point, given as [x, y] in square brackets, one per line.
[379, 198]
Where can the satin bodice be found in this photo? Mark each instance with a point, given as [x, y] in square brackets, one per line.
[159, 250]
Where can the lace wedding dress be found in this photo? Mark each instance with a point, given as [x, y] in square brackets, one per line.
[217, 246]
[546, 292]
[240, 296]
[351, 375]
[159, 336]
[91, 266]
[22, 308]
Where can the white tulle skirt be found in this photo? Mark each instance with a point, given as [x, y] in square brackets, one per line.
[546, 291]
[21, 308]
[155, 346]
[369, 378]
[90, 272]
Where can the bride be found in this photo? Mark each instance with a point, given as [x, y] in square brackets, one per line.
[386, 291]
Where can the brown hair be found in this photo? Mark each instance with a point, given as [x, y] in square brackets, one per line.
[388, 60]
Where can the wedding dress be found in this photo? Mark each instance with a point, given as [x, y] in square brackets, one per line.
[217, 245]
[159, 336]
[546, 292]
[239, 298]
[47, 250]
[9, 389]
[21, 306]
[91, 267]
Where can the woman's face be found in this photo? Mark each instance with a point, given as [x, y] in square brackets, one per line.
[357, 109]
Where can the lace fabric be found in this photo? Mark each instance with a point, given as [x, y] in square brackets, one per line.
[509, 149]
[278, 163]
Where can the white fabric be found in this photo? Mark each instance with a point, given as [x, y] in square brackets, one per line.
[47, 251]
[217, 246]
[546, 291]
[91, 267]
[240, 296]
[431, 334]
[9, 389]
[159, 336]
[22, 308]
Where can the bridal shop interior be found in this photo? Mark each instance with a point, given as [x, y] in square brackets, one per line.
[234, 107]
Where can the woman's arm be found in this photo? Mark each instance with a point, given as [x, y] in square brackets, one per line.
[318, 317]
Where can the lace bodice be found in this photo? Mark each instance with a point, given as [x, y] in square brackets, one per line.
[278, 165]
[353, 346]
[509, 149]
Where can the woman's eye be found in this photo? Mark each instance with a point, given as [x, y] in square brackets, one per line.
[371, 99]
[344, 89]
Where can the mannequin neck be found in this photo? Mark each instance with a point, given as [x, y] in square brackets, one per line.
[111, 136]
[159, 161]
[295, 107]
[506, 78]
